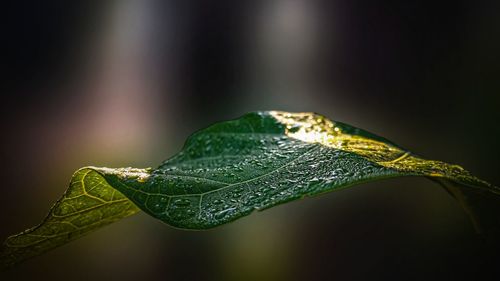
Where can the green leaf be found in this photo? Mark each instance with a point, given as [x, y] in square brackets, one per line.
[88, 204]
[227, 171]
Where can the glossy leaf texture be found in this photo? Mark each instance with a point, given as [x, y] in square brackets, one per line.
[227, 171]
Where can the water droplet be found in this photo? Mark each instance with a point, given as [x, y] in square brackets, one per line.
[223, 213]
[182, 202]
[314, 180]
[218, 202]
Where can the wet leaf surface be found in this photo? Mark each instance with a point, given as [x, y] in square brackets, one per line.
[227, 171]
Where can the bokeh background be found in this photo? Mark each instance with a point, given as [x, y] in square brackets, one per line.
[123, 83]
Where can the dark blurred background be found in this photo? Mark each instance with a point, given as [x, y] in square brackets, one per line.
[123, 83]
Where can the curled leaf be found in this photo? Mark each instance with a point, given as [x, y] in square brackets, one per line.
[227, 171]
